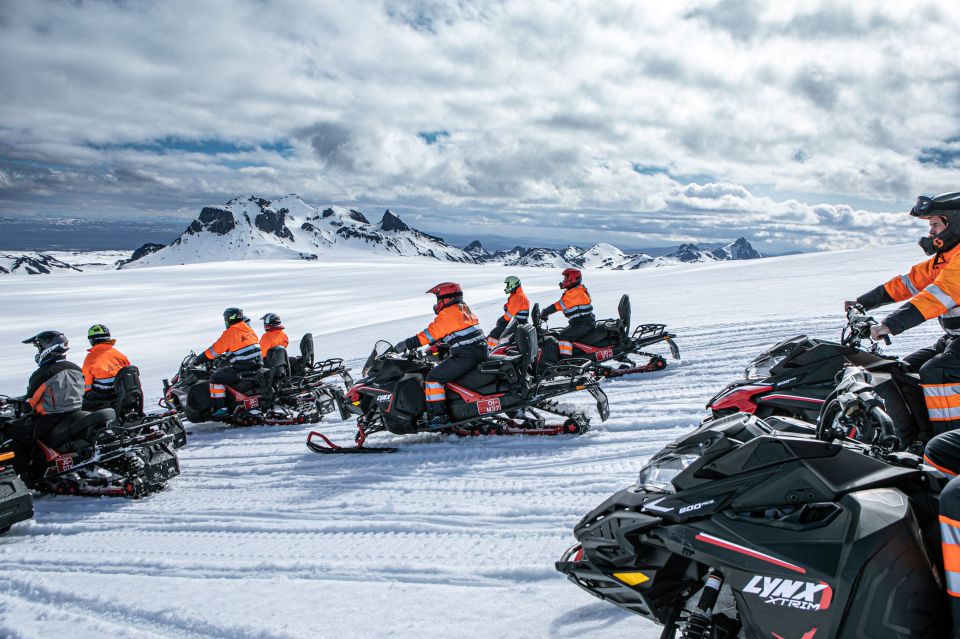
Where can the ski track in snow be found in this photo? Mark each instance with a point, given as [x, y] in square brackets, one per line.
[259, 537]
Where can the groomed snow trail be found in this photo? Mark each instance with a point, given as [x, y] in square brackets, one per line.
[260, 537]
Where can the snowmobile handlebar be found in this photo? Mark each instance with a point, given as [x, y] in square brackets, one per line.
[858, 329]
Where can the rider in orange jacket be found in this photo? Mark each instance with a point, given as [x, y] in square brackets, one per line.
[576, 306]
[100, 367]
[273, 334]
[241, 348]
[457, 327]
[516, 309]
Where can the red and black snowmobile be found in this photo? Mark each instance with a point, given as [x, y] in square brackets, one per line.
[609, 346]
[503, 396]
[795, 377]
[740, 530]
[285, 391]
[91, 453]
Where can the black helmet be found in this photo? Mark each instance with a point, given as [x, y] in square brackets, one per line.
[947, 206]
[49, 344]
[271, 320]
[97, 334]
[233, 315]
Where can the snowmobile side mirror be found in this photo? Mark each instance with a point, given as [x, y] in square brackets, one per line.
[535, 317]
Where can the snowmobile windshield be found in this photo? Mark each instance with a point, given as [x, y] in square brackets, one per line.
[659, 473]
[379, 350]
[762, 366]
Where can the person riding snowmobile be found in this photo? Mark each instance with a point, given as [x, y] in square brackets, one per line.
[517, 308]
[54, 393]
[943, 453]
[239, 344]
[100, 367]
[576, 306]
[931, 289]
[273, 334]
[457, 327]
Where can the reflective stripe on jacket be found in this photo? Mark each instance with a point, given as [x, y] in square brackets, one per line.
[454, 325]
[575, 304]
[239, 344]
[101, 366]
[933, 288]
[517, 307]
[271, 338]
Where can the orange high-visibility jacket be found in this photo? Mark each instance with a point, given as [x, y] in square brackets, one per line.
[933, 288]
[271, 338]
[575, 304]
[239, 343]
[517, 306]
[101, 365]
[455, 325]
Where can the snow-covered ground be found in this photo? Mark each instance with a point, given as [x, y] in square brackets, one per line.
[259, 537]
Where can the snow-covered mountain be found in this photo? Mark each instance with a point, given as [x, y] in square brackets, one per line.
[287, 228]
[32, 264]
[608, 256]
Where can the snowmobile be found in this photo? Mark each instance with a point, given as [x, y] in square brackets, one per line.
[499, 397]
[16, 502]
[794, 378]
[91, 453]
[285, 391]
[128, 407]
[611, 342]
[739, 529]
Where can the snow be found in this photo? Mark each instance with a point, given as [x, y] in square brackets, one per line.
[259, 537]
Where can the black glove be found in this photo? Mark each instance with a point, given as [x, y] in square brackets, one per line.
[544, 314]
[200, 360]
[403, 346]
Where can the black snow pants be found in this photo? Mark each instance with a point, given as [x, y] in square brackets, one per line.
[943, 452]
[460, 362]
[939, 368]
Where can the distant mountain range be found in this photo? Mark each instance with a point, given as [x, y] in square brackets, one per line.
[251, 227]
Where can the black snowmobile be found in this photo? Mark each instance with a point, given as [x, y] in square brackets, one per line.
[285, 391]
[16, 502]
[500, 397]
[91, 453]
[609, 346]
[128, 407]
[795, 377]
[739, 529]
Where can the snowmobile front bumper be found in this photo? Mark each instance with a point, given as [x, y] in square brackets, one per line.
[16, 502]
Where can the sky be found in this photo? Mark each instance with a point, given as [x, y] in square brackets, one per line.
[799, 125]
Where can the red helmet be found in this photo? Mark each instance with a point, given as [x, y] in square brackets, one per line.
[571, 278]
[448, 293]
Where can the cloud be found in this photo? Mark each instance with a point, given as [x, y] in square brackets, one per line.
[600, 116]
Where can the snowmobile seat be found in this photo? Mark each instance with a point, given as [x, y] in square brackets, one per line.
[129, 392]
[605, 333]
[505, 366]
[78, 426]
[481, 382]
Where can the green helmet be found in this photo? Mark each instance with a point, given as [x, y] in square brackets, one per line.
[98, 333]
[512, 283]
[233, 315]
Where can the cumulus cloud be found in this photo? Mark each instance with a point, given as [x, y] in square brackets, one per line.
[618, 116]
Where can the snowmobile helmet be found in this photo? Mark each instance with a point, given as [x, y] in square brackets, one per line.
[946, 206]
[49, 344]
[97, 334]
[448, 294]
[512, 283]
[233, 315]
[271, 320]
[571, 277]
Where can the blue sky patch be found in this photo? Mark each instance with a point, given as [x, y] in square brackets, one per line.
[432, 137]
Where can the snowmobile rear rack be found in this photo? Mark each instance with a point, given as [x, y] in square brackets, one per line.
[646, 334]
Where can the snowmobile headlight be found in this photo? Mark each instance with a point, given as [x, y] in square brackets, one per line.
[760, 368]
[658, 475]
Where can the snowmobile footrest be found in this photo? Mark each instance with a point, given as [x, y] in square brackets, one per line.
[326, 447]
